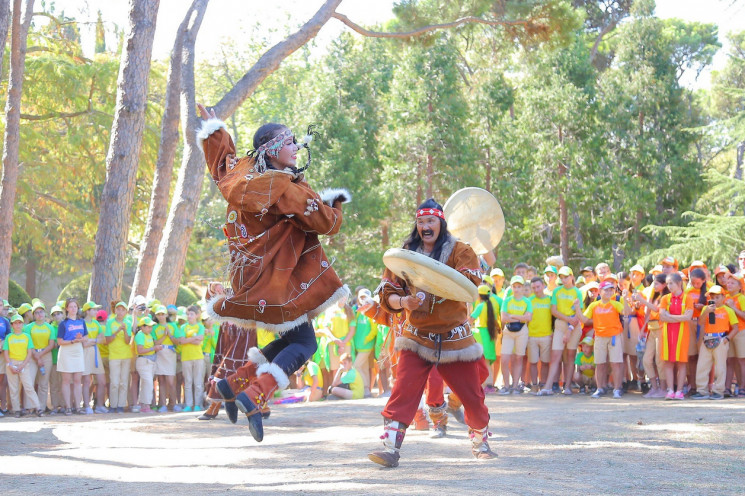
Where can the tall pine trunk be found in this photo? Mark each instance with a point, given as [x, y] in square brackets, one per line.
[169, 265]
[158, 212]
[4, 26]
[563, 215]
[124, 152]
[11, 139]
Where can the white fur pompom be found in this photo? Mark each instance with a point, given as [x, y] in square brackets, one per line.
[329, 196]
[208, 127]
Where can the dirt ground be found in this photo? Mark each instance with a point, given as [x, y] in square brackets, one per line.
[546, 446]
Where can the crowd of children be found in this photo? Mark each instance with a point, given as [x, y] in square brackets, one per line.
[670, 333]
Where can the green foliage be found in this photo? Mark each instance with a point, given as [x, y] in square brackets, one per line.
[17, 295]
[78, 288]
[185, 297]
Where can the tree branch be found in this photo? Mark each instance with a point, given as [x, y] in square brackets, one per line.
[425, 29]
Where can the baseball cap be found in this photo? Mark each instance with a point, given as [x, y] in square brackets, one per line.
[56, 309]
[715, 289]
[488, 280]
[698, 263]
[145, 321]
[26, 307]
[657, 269]
[637, 268]
[566, 271]
[496, 272]
[38, 305]
[517, 280]
[549, 268]
[721, 269]
[588, 340]
[484, 289]
[587, 269]
[121, 304]
[101, 316]
[159, 309]
[606, 285]
[16, 318]
[90, 305]
[669, 261]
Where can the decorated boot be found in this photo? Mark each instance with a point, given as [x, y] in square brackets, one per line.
[420, 421]
[480, 443]
[455, 408]
[211, 411]
[269, 378]
[227, 388]
[439, 418]
[392, 439]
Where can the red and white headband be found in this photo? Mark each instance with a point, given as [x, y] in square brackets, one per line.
[430, 211]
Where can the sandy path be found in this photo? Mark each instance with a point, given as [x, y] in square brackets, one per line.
[546, 446]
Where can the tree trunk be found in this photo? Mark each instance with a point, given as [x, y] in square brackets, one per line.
[169, 266]
[11, 138]
[563, 216]
[124, 152]
[4, 26]
[158, 212]
[31, 264]
[384, 237]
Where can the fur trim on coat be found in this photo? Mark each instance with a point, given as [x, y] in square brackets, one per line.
[208, 127]
[275, 328]
[330, 195]
[468, 354]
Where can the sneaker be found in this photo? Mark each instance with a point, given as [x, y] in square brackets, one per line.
[716, 396]
[670, 395]
[535, 388]
[633, 385]
[88, 410]
[101, 409]
[582, 390]
[120, 409]
[135, 409]
[699, 396]
[518, 390]
[163, 409]
[644, 387]
[177, 408]
[198, 408]
[489, 390]
[567, 391]
[545, 392]
[385, 394]
[68, 411]
[146, 409]
[679, 395]
[18, 414]
[555, 387]
[186, 409]
[617, 394]
[598, 393]
[727, 393]
[504, 391]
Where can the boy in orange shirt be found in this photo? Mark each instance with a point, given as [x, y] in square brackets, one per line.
[605, 318]
[714, 344]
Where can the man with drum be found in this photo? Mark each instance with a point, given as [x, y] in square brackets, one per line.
[435, 333]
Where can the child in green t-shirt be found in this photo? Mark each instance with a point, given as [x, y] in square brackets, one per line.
[347, 382]
[190, 337]
[585, 362]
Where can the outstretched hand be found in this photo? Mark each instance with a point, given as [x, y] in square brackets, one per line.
[206, 114]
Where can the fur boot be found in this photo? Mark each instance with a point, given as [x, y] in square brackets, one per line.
[439, 417]
[269, 378]
[480, 443]
[392, 437]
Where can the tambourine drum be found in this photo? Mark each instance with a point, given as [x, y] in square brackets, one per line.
[475, 216]
[430, 275]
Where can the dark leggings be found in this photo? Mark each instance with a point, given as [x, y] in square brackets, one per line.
[291, 349]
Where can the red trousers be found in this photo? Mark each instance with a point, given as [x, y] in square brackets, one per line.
[464, 378]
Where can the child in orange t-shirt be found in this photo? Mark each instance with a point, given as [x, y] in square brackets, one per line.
[714, 344]
[605, 316]
[675, 314]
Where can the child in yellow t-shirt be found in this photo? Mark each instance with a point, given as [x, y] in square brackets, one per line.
[190, 337]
